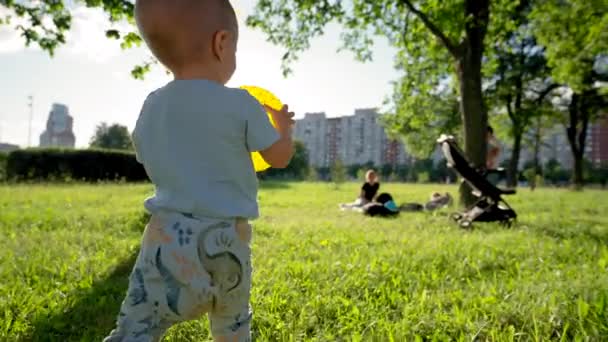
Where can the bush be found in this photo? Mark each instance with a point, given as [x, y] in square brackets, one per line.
[296, 170]
[338, 173]
[68, 164]
[3, 157]
[313, 174]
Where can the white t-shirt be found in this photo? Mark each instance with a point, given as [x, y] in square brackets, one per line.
[195, 138]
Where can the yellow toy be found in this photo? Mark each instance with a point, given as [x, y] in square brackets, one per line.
[265, 98]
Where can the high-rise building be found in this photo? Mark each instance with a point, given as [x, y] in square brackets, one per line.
[354, 139]
[312, 131]
[598, 142]
[58, 131]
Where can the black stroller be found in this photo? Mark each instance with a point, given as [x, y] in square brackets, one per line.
[490, 207]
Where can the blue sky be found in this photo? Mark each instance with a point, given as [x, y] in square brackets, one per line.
[91, 75]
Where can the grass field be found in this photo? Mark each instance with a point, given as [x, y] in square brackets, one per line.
[321, 274]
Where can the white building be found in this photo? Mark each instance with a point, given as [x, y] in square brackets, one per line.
[58, 131]
[312, 131]
[355, 139]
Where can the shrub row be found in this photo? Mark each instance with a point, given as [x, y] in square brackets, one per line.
[89, 165]
[3, 157]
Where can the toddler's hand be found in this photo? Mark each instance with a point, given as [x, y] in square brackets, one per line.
[283, 119]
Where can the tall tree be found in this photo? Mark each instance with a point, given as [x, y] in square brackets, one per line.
[114, 136]
[575, 36]
[435, 39]
[419, 118]
[519, 83]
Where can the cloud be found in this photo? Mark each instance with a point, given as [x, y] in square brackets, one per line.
[10, 38]
[86, 37]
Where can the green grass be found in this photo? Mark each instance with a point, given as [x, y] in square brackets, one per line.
[321, 274]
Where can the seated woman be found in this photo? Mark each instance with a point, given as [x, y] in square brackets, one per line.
[383, 206]
[368, 192]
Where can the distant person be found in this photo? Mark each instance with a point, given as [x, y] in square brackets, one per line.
[195, 137]
[369, 189]
[493, 150]
[492, 157]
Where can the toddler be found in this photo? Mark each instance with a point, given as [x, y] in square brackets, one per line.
[194, 137]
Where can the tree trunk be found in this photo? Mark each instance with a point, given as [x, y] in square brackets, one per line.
[467, 55]
[577, 175]
[468, 68]
[577, 137]
[537, 142]
[474, 116]
[514, 161]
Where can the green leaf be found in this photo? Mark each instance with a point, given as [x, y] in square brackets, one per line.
[113, 34]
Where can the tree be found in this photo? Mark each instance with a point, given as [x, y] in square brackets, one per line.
[298, 167]
[115, 137]
[47, 22]
[599, 174]
[555, 173]
[575, 38]
[518, 83]
[437, 41]
[338, 172]
[312, 175]
[420, 118]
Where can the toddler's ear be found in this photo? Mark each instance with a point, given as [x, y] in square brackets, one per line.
[221, 39]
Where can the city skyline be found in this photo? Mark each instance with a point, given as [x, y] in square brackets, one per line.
[91, 74]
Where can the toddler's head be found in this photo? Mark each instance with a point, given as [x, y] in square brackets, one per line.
[193, 38]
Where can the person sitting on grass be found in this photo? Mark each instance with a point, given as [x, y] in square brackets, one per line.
[368, 191]
[383, 206]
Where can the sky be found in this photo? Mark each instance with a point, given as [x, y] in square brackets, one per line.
[91, 75]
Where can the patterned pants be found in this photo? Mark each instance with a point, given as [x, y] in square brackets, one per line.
[188, 267]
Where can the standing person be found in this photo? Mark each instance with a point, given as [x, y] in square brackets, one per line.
[493, 150]
[194, 137]
[492, 156]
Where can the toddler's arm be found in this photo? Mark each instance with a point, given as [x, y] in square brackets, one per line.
[279, 154]
[274, 144]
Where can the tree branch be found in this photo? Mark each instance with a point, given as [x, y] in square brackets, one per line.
[449, 44]
[508, 101]
[546, 91]
[598, 76]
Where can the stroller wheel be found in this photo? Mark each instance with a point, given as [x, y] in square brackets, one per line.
[456, 217]
[465, 224]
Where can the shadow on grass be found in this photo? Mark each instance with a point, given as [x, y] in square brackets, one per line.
[93, 312]
[561, 232]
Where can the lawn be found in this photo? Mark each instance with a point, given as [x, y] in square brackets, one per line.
[321, 274]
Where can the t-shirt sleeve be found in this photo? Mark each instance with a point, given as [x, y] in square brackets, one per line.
[260, 134]
[135, 135]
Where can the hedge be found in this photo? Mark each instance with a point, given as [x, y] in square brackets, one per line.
[3, 157]
[89, 165]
